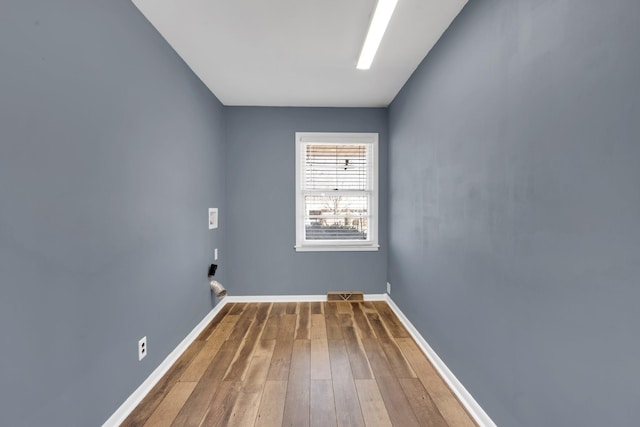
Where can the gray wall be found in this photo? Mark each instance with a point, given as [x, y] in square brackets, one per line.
[111, 151]
[515, 208]
[260, 258]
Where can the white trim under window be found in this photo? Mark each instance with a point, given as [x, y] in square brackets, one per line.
[336, 191]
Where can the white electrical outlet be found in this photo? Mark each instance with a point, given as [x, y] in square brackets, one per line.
[215, 254]
[142, 348]
[389, 288]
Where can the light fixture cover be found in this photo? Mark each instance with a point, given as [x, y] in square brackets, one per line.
[377, 28]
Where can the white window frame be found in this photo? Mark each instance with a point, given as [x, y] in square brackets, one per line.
[303, 245]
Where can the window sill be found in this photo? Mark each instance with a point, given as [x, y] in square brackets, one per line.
[329, 248]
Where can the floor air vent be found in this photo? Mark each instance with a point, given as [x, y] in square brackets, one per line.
[345, 296]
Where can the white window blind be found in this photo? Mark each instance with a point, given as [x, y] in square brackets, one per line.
[336, 167]
[336, 194]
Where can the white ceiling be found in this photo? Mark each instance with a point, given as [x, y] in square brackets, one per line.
[298, 52]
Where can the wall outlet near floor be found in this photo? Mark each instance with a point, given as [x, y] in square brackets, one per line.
[215, 254]
[389, 288]
[142, 348]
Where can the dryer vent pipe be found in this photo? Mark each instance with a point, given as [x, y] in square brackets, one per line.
[218, 289]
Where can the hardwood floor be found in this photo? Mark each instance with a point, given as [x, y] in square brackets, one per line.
[302, 364]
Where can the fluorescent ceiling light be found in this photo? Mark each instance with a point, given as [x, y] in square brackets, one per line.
[379, 23]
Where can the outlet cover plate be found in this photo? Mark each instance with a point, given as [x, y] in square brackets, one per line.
[142, 348]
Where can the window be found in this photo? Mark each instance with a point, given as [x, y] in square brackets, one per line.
[336, 191]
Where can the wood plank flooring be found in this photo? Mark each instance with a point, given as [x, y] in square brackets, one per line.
[302, 364]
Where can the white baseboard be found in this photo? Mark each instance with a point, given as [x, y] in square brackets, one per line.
[277, 298]
[470, 404]
[136, 397]
[295, 298]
